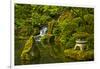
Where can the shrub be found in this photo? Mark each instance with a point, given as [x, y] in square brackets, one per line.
[70, 43]
[90, 40]
[56, 31]
[36, 31]
[81, 35]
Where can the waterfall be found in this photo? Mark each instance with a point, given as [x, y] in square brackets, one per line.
[43, 31]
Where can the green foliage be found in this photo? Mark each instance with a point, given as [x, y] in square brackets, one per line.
[50, 26]
[44, 40]
[36, 31]
[65, 25]
[64, 39]
[89, 18]
[70, 43]
[81, 35]
[56, 31]
[90, 40]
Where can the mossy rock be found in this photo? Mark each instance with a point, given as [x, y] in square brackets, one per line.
[27, 48]
[78, 55]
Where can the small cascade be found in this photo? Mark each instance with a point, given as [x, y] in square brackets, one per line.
[43, 31]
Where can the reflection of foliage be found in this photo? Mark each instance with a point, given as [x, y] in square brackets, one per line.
[30, 51]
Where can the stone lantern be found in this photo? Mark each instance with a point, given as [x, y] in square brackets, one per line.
[81, 44]
[81, 41]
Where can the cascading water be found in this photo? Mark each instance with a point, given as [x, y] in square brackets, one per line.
[42, 33]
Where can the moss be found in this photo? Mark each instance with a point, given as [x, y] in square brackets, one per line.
[78, 55]
[27, 48]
